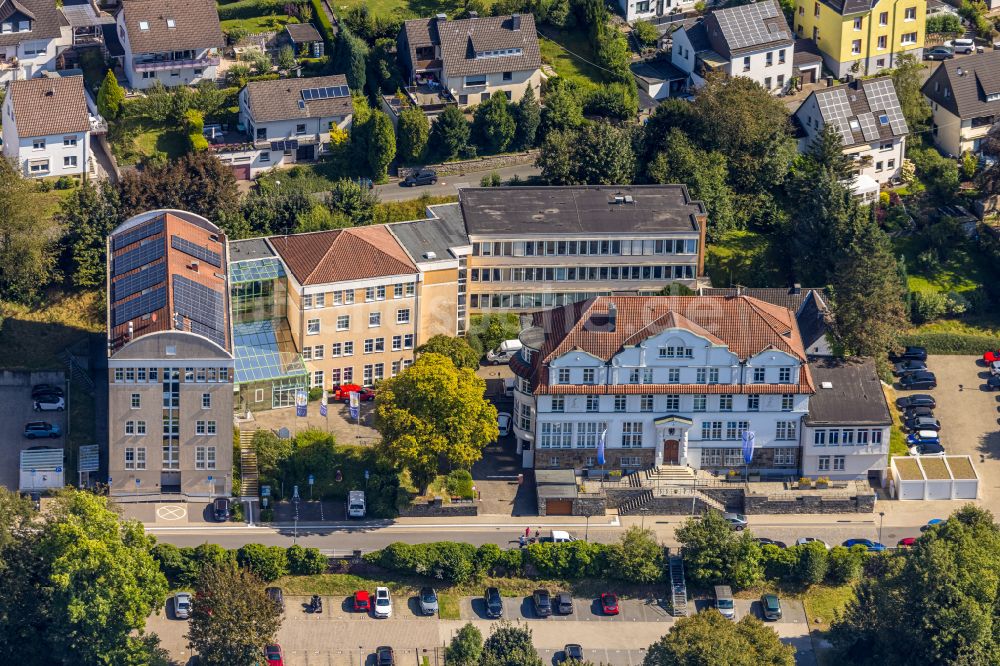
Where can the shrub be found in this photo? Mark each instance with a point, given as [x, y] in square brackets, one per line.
[315, 393]
[780, 564]
[813, 564]
[459, 484]
[845, 565]
[267, 562]
[445, 560]
[645, 32]
[943, 23]
[952, 343]
[487, 557]
[65, 183]
[574, 560]
[244, 9]
[305, 561]
[511, 561]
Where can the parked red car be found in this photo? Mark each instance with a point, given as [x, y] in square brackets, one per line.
[362, 602]
[273, 655]
[609, 603]
[991, 356]
[343, 393]
[907, 542]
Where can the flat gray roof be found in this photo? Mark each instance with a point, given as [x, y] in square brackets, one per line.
[556, 483]
[249, 248]
[434, 234]
[582, 209]
[847, 392]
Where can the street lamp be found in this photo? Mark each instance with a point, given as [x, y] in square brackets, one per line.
[586, 535]
[643, 511]
[881, 515]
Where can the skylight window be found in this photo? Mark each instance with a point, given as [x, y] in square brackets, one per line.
[855, 125]
[144, 25]
[884, 119]
[171, 24]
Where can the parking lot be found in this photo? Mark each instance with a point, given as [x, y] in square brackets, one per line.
[15, 396]
[339, 636]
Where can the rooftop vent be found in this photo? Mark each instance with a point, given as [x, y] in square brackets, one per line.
[612, 316]
[796, 288]
[193, 266]
[826, 385]
[441, 17]
[515, 22]
[473, 14]
[959, 71]
[430, 255]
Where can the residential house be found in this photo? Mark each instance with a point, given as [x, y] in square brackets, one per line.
[471, 59]
[288, 121]
[751, 40]
[812, 313]
[351, 303]
[869, 119]
[46, 126]
[170, 357]
[862, 37]
[846, 433]
[32, 35]
[658, 79]
[542, 247]
[175, 42]
[664, 380]
[634, 10]
[304, 38]
[965, 101]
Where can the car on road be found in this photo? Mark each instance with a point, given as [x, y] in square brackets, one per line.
[221, 507]
[906, 542]
[273, 655]
[923, 437]
[572, 651]
[383, 603]
[420, 177]
[361, 602]
[428, 601]
[37, 429]
[771, 606]
[276, 595]
[609, 603]
[564, 603]
[932, 522]
[802, 541]
[922, 423]
[916, 400]
[927, 450]
[908, 354]
[49, 403]
[993, 383]
[503, 421]
[764, 541]
[872, 546]
[961, 45]
[995, 368]
[542, 601]
[182, 605]
[39, 390]
[939, 53]
[918, 380]
[908, 366]
[384, 656]
[991, 356]
[914, 412]
[736, 520]
[494, 602]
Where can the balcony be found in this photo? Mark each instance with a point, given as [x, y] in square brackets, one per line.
[161, 65]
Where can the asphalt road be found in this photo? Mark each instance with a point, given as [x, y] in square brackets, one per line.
[449, 185]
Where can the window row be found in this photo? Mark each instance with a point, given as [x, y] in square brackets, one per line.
[135, 401]
[649, 402]
[847, 437]
[712, 457]
[666, 375]
[839, 462]
[314, 326]
[154, 375]
[347, 296]
[583, 273]
[586, 435]
[584, 248]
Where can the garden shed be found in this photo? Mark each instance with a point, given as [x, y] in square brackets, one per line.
[933, 478]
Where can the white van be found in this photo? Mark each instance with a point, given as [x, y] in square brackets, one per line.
[356, 504]
[724, 602]
[504, 352]
[963, 45]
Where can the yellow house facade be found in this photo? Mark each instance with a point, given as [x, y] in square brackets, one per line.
[859, 38]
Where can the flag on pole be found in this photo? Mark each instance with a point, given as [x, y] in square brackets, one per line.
[301, 402]
[748, 442]
[355, 404]
[600, 446]
[322, 404]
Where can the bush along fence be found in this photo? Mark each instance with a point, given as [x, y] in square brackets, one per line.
[952, 343]
[182, 566]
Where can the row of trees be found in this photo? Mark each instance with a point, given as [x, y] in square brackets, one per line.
[184, 566]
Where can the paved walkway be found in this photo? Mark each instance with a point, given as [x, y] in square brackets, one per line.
[337, 421]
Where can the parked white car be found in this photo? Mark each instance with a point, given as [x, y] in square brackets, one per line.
[801, 541]
[383, 603]
[182, 605]
[962, 45]
[50, 403]
[503, 421]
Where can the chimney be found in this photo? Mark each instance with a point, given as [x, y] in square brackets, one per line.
[441, 18]
[515, 21]
[131, 330]
[796, 288]
[612, 317]
[473, 14]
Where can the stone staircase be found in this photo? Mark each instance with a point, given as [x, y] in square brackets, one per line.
[669, 474]
[634, 504]
[248, 466]
[678, 588]
[76, 371]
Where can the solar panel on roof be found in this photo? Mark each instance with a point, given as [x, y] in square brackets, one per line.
[196, 251]
[869, 128]
[137, 234]
[202, 305]
[745, 26]
[882, 97]
[836, 109]
[143, 304]
[330, 92]
[147, 252]
[125, 286]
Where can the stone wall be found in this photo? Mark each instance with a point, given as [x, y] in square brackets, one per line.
[437, 509]
[758, 504]
[577, 458]
[489, 163]
[731, 498]
[618, 496]
[590, 506]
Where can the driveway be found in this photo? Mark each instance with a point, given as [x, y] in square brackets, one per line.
[15, 396]
[449, 185]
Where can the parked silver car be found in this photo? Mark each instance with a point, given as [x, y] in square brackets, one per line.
[428, 601]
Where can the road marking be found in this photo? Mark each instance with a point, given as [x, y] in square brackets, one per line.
[171, 512]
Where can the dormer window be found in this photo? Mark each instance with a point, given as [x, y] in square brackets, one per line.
[171, 23]
[499, 53]
[993, 97]
[6, 27]
[144, 26]
[24, 26]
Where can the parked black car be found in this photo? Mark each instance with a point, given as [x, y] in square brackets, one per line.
[909, 354]
[916, 400]
[916, 412]
[384, 656]
[543, 603]
[40, 390]
[939, 53]
[571, 651]
[908, 366]
[221, 509]
[421, 177]
[494, 602]
[922, 423]
[764, 541]
[993, 383]
[918, 380]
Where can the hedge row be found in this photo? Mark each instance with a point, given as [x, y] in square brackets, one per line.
[952, 343]
[322, 23]
[250, 8]
[182, 566]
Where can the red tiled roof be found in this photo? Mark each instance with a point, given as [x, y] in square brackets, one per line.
[343, 254]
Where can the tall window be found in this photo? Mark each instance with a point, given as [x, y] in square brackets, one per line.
[713, 376]
[631, 434]
[700, 402]
[700, 375]
[785, 430]
[784, 375]
[593, 403]
[312, 327]
[753, 402]
[588, 375]
[787, 401]
[673, 402]
[619, 403]
[758, 375]
[206, 400]
[558, 403]
[563, 376]
[136, 401]
[646, 403]
[674, 376]
[725, 402]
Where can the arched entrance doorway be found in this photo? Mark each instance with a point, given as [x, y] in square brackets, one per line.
[671, 452]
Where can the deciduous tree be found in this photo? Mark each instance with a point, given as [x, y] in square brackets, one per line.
[563, 110]
[598, 154]
[714, 553]
[414, 129]
[908, 79]
[637, 557]
[708, 638]
[27, 239]
[457, 349]
[354, 201]
[232, 619]
[432, 413]
[88, 215]
[466, 646]
[509, 645]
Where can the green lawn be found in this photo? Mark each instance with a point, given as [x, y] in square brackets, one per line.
[257, 24]
[567, 52]
[404, 8]
[448, 607]
[897, 439]
[822, 602]
[965, 270]
[32, 338]
[171, 142]
[745, 258]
